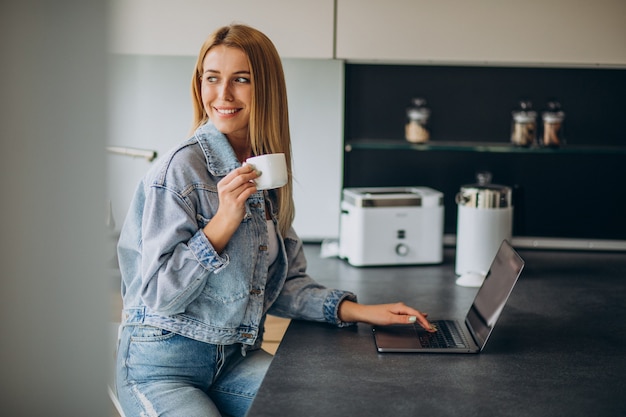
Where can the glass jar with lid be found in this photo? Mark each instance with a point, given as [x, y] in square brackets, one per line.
[524, 124]
[553, 118]
[416, 129]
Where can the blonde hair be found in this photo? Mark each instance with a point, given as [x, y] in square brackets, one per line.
[268, 128]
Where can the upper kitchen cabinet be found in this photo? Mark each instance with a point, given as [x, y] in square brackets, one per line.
[299, 29]
[483, 32]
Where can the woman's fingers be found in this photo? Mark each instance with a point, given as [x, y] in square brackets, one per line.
[242, 176]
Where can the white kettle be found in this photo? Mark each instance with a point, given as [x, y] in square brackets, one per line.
[485, 219]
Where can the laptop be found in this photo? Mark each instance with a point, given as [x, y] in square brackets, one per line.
[452, 336]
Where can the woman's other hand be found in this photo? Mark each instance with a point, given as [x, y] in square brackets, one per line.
[383, 314]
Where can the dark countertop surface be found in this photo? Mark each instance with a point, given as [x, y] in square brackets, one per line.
[559, 348]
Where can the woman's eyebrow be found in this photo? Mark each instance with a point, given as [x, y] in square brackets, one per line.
[219, 72]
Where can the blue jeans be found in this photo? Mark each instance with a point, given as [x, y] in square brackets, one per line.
[159, 373]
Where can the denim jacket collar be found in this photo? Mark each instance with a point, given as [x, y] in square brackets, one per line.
[220, 157]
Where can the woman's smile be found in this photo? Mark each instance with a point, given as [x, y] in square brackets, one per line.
[226, 111]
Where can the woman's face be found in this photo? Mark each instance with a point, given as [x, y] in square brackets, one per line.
[227, 90]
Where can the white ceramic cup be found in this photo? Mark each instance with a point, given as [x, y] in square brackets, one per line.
[273, 168]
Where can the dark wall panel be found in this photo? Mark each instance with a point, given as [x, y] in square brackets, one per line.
[556, 194]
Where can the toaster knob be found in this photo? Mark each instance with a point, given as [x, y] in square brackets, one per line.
[402, 249]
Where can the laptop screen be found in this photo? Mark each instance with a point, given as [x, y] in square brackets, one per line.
[493, 294]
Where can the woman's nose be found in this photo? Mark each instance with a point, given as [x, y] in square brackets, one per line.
[225, 92]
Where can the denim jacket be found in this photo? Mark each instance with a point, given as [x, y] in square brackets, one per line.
[173, 278]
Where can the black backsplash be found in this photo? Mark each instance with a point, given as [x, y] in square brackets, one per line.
[555, 194]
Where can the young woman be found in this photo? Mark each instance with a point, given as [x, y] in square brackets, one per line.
[205, 256]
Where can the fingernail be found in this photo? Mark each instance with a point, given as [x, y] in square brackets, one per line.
[412, 319]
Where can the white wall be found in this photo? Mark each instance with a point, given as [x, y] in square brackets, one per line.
[151, 109]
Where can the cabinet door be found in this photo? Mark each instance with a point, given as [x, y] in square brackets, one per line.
[530, 32]
[299, 29]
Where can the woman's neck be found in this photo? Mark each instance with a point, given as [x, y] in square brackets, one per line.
[242, 148]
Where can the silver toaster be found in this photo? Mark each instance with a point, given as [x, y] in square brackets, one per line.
[391, 226]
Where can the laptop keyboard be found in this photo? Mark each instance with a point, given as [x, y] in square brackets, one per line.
[446, 336]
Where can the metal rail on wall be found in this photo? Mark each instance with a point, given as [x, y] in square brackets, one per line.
[149, 155]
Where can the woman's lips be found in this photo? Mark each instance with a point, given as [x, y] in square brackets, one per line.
[226, 112]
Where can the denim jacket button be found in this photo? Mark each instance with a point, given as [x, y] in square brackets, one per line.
[263, 247]
[255, 292]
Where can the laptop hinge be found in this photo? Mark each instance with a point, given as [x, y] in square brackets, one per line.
[469, 327]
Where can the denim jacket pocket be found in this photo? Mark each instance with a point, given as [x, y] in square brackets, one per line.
[224, 289]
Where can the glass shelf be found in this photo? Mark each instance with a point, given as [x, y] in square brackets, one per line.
[389, 144]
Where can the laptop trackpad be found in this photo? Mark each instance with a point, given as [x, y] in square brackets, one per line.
[397, 337]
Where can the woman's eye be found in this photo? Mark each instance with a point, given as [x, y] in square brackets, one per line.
[242, 80]
[210, 79]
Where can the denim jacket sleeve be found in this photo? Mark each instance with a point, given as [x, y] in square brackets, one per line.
[301, 296]
[177, 257]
